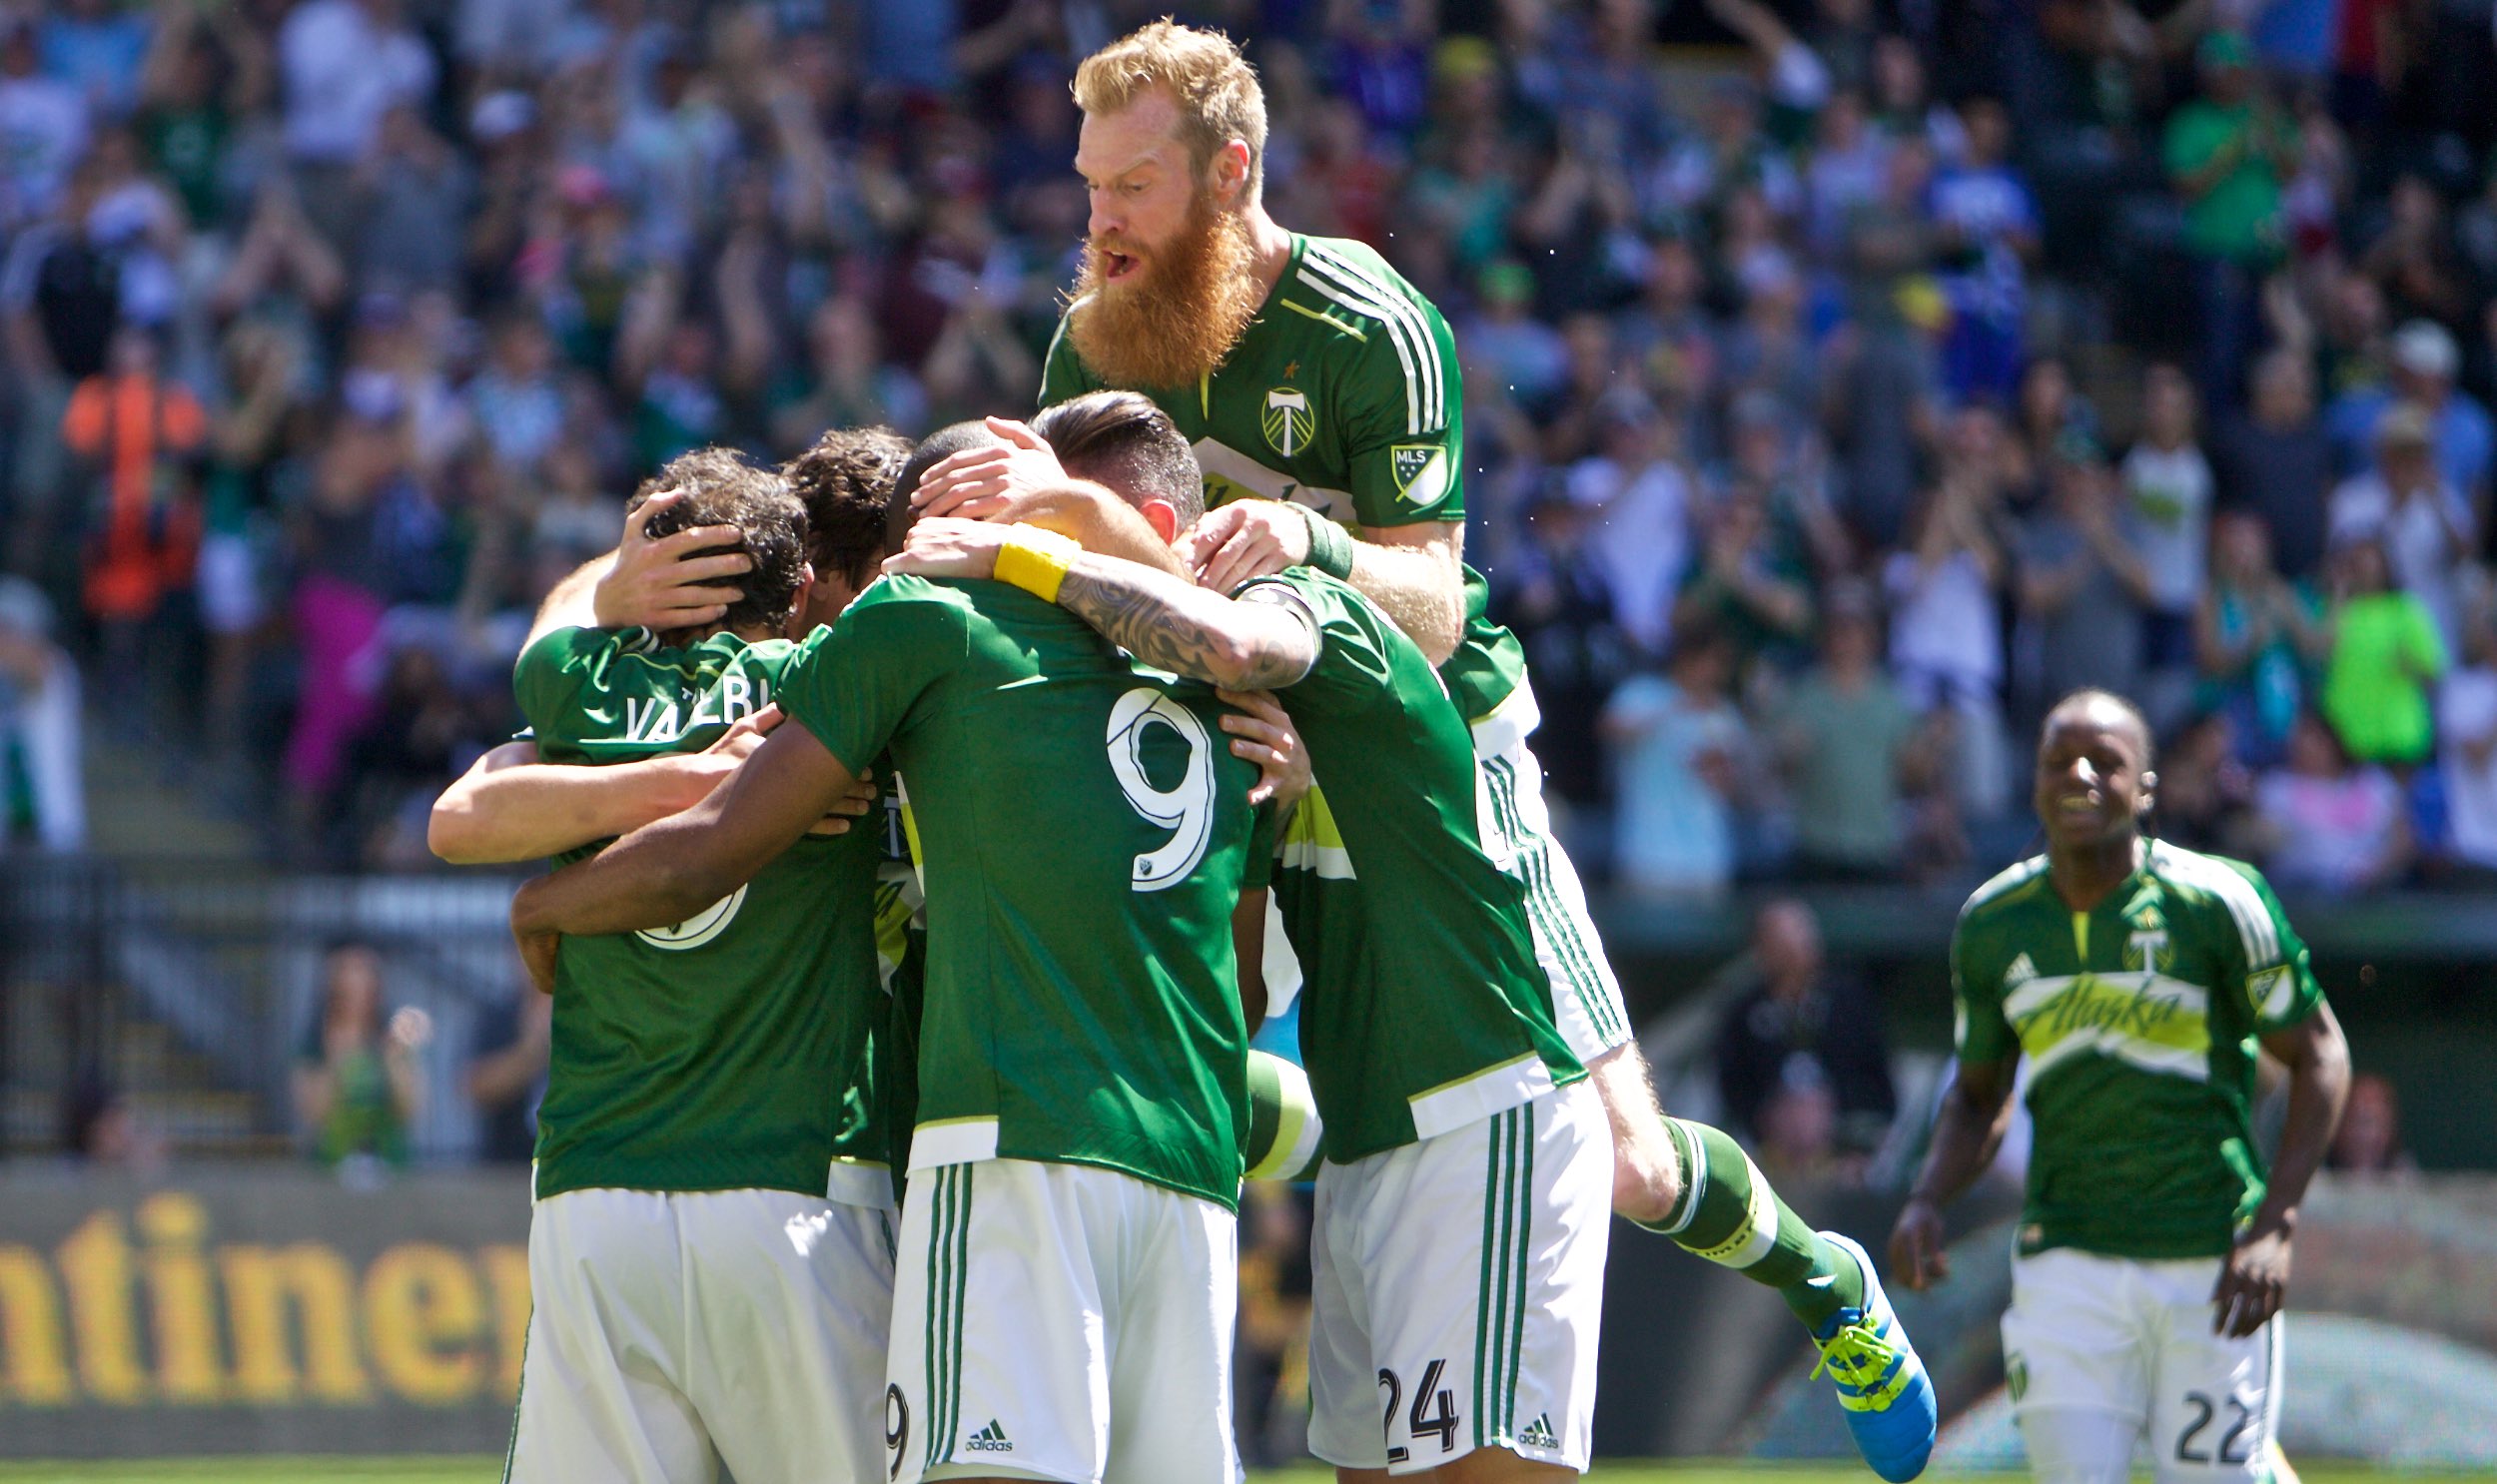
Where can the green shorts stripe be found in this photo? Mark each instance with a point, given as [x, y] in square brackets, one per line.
[1525, 1245]
[1483, 1319]
[961, 1285]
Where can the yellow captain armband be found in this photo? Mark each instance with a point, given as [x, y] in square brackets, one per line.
[1036, 561]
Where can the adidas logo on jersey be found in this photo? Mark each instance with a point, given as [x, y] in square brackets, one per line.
[990, 1439]
[1540, 1434]
[2021, 973]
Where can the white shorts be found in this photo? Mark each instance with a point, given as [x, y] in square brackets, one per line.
[1517, 831]
[1458, 1284]
[673, 1332]
[1061, 1322]
[2099, 1348]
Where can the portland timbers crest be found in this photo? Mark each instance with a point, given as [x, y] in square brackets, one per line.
[1288, 420]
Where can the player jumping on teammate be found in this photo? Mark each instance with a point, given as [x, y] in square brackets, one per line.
[1308, 372]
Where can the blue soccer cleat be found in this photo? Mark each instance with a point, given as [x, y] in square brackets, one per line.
[1882, 1385]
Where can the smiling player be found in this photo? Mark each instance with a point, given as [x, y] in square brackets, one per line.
[2138, 979]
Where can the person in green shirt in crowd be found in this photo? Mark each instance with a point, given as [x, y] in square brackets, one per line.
[2387, 659]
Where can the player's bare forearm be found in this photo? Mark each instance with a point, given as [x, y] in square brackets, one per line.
[1177, 626]
[511, 807]
[1098, 520]
[1967, 1133]
[1412, 573]
[2317, 1057]
[668, 870]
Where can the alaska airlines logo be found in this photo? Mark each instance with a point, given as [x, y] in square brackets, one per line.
[2092, 1003]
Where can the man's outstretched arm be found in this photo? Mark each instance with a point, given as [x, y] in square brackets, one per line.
[510, 807]
[667, 870]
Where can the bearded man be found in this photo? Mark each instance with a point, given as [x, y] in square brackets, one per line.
[1320, 393]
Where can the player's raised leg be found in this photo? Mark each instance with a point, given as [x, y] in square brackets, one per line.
[1727, 1214]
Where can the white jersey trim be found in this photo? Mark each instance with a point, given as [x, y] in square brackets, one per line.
[1227, 463]
[861, 1182]
[952, 1141]
[1470, 1100]
[1425, 391]
[2254, 928]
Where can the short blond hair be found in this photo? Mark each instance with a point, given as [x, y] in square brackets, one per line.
[1215, 88]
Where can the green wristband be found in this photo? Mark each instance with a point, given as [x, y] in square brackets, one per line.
[1331, 551]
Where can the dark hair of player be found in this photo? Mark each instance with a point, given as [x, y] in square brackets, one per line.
[723, 489]
[1120, 440]
[953, 438]
[847, 482]
[2132, 714]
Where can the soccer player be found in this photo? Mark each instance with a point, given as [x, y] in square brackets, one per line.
[2138, 979]
[1461, 1135]
[1066, 1291]
[710, 1242]
[1306, 370]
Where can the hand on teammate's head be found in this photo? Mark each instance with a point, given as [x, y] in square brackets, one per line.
[978, 484]
[656, 582]
[948, 546]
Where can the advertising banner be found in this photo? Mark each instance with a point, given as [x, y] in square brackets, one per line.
[259, 1311]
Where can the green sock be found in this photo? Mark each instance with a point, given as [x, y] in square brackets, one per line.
[1728, 1215]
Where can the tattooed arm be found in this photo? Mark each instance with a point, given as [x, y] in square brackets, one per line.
[1250, 643]
[1239, 644]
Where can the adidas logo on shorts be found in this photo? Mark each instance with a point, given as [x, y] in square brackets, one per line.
[990, 1439]
[1540, 1434]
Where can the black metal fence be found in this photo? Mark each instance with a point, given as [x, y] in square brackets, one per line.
[183, 997]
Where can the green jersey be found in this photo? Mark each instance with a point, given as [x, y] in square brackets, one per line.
[1424, 1006]
[1083, 836]
[2139, 1020]
[722, 1053]
[1343, 393]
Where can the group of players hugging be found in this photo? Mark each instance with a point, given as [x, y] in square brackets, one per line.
[936, 825]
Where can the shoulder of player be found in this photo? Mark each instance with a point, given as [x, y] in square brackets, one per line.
[2231, 889]
[2005, 890]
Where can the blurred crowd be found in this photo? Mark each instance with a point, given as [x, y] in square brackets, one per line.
[1845, 378]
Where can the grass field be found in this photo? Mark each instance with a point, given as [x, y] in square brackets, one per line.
[483, 1471]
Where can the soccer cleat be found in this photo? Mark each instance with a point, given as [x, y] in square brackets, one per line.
[1881, 1386]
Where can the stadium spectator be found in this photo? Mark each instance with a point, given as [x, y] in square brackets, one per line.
[2082, 583]
[2226, 153]
[2331, 825]
[1989, 226]
[2422, 365]
[42, 786]
[1797, 1023]
[507, 1073]
[2466, 726]
[2205, 790]
[2275, 461]
[2386, 657]
[1642, 499]
[1679, 754]
[134, 432]
[2426, 527]
[358, 1087]
[1849, 741]
[2369, 1141]
[2168, 500]
[2257, 636]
